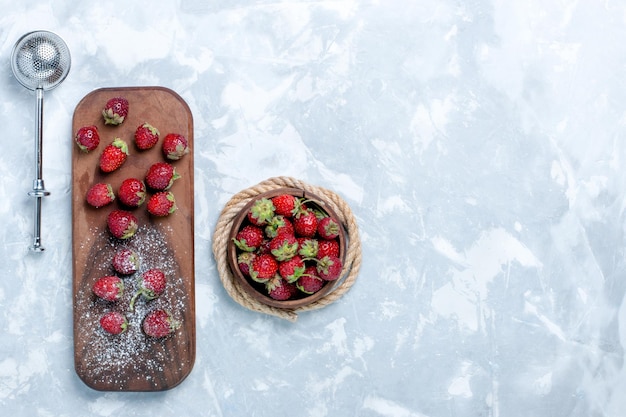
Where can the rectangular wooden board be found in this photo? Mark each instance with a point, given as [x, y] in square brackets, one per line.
[132, 361]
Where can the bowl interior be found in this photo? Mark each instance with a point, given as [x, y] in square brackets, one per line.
[256, 290]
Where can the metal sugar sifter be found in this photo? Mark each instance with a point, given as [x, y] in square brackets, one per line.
[40, 61]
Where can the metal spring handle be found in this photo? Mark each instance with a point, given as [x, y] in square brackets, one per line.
[38, 190]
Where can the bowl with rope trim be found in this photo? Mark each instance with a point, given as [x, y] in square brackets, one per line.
[275, 255]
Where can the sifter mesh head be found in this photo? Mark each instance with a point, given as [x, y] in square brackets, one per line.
[40, 59]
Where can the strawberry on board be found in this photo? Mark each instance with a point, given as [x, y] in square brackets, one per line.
[113, 155]
[87, 138]
[174, 146]
[160, 176]
[115, 111]
[109, 288]
[146, 136]
[132, 192]
[151, 285]
[126, 261]
[122, 224]
[99, 195]
[159, 323]
[162, 204]
[113, 322]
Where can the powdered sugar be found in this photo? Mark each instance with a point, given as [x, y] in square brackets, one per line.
[114, 360]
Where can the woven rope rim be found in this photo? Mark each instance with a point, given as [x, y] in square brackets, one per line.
[351, 265]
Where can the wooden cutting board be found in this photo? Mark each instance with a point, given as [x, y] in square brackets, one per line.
[132, 361]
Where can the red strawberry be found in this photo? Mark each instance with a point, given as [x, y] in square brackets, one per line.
[261, 212]
[279, 289]
[162, 204]
[132, 192]
[327, 248]
[305, 223]
[291, 269]
[277, 225]
[161, 176]
[244, 260]
[122, 224]
[115, 111]
[309, 282]
[113, 322]
[113, 155]
[159, 323]
[285, 204]
[174, 146]
[263, 267]
[100, 194]
[308, 247]
[284, 246]
[151, 285]
[109, 288]
[329, 268]
[87, 138]
[328, 228]
[126, 261]
[249, 238]
[146, 136]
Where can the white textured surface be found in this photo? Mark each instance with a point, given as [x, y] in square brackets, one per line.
[480, 145]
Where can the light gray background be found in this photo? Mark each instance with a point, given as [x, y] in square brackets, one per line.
[480, 145]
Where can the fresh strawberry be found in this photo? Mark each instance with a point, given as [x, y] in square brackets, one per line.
[161, 176]
[146, 136]
[113, 155]
[100, 194]
[261, 212]
[126, 261]
[109, 288]
[159, 323]
[291, 269]
[285, 204]
[327, 248]
[151, 285]
[174, 146]
[265, 247]
[87, 138]
[305, 223]
[132, 192]
[277, 225]
[244, 260]
[310, 282]
[284, 246]
[329, 268]
[249, 238]
[263, 267]
[115, 111]
[308, 247]
[113, 322]
[328, 228]
[279, 289]
[162, 204]
[122, 224]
